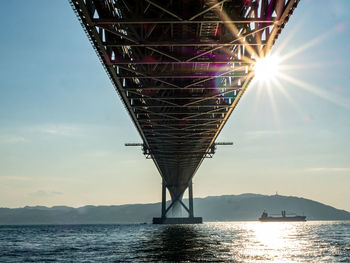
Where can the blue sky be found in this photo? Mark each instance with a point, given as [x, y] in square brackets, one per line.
[62, 126]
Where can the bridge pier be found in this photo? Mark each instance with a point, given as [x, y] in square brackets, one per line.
[163, 199]
[164, 219]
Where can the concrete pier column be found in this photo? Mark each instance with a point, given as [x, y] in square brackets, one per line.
[190, 198]
[177, 220]
[163, 198]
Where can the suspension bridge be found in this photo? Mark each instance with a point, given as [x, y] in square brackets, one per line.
[180, 68]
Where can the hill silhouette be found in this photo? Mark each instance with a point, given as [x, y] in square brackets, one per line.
[212, 208]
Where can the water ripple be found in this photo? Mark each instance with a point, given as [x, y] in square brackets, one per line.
[210, 242]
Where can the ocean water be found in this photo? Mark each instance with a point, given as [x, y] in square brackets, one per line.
[209, 242]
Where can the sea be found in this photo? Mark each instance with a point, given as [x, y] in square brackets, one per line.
[312, 241]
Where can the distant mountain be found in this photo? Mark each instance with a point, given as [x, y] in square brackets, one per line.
[212, 208]
[250, 207]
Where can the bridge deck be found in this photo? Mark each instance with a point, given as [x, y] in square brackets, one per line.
[180, 68]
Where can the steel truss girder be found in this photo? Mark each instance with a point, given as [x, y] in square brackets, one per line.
[114, 21]
[177, 44]
[165, 120]
[216, 96]
[216, 106]
[179, 62]
[180, 76]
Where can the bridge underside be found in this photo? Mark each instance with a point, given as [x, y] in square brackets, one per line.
[180, 68]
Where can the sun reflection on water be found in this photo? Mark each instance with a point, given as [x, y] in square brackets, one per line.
[266, 242]
[274, 235]
[274, 240]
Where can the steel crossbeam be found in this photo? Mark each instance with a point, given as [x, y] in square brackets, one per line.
[132, 21]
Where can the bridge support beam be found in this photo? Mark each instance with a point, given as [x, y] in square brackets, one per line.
[190, 199]
[177, 220]
[163, 198]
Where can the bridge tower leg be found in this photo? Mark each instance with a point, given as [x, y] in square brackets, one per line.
[190, 199]
[163, 198]
[164, 219]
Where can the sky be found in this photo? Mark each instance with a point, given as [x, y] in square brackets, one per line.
[63, 127]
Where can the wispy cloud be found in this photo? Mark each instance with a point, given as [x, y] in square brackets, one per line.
[11, 139]
[58, 130]
[12, 135]
[16, 178]
[44, 194]
[328, 169]
[262, 133]
[8, 178]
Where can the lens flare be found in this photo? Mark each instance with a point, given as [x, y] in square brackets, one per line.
[266, 68]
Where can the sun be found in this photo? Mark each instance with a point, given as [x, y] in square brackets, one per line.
[266, 68]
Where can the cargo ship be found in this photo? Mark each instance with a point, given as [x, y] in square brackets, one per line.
[266, 218]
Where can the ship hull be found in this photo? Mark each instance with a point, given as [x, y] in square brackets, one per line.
[283, 219]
